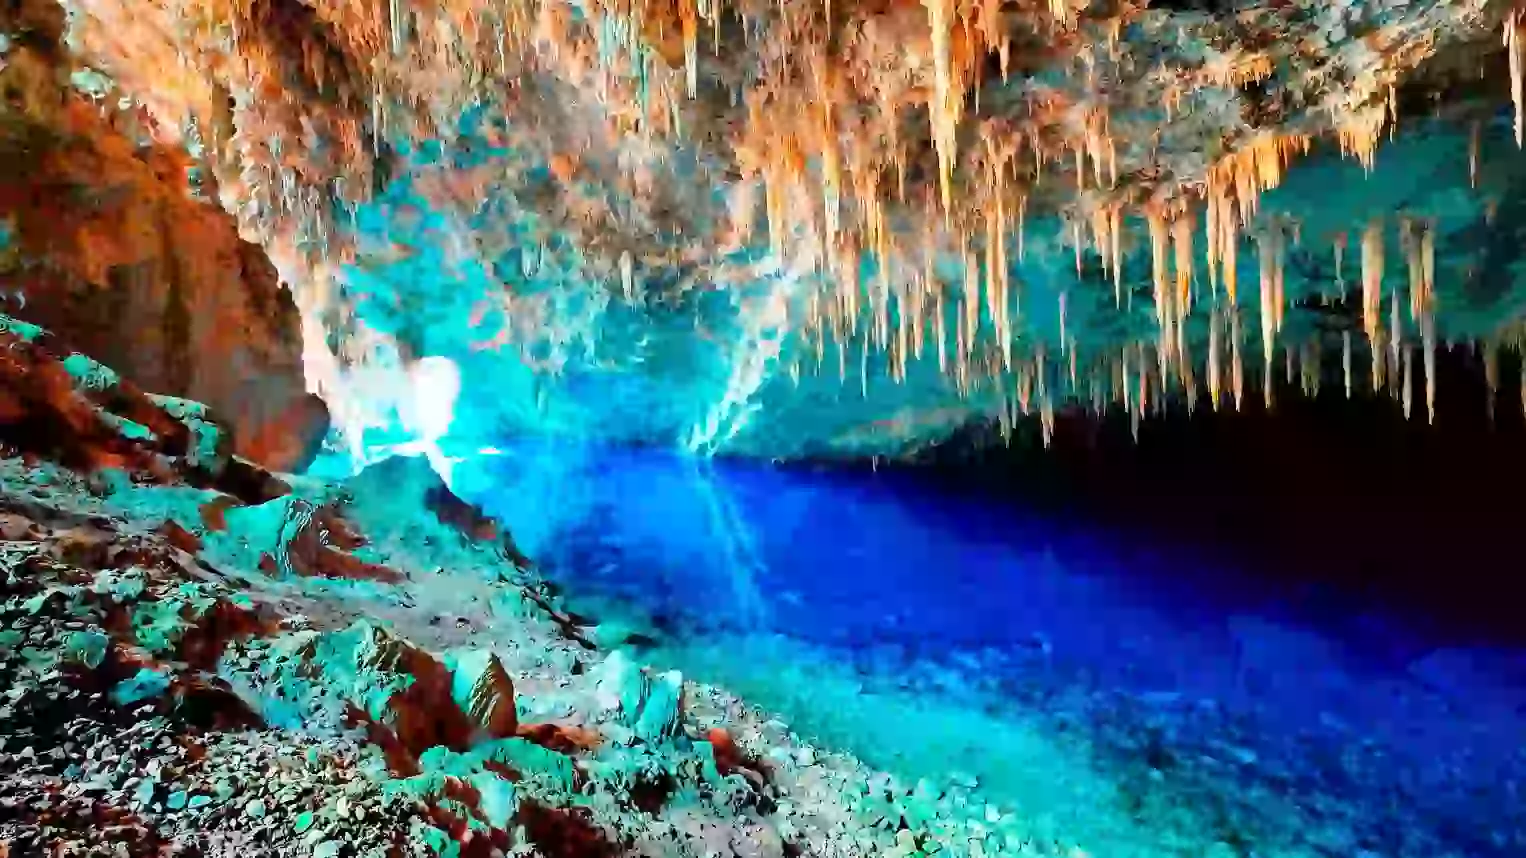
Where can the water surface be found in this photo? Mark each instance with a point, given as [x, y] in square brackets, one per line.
[1147, 698]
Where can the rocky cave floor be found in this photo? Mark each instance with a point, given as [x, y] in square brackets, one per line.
[199, 657]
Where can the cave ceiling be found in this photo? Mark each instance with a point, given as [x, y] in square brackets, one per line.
[784, 228]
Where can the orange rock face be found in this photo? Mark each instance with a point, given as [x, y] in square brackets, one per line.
[109, 248]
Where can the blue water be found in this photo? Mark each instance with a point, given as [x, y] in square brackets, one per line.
[1245, 714]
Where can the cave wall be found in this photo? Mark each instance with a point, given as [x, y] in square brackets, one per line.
[111, 241]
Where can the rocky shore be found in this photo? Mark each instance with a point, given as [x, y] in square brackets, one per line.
[199, 656]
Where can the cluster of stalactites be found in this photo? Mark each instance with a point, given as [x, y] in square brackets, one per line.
[972, 320]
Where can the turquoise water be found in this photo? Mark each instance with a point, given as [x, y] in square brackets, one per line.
[1137, 697]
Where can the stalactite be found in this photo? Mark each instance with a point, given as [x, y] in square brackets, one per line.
[970, 303]
[1346, 360]
[1075, 242]
[1473, 146]
[863, 368]
[1379, 363]
[1517, 75]
[688, 17]
[1229, 249]
[1123, 379]
[1181, 239]
[1372, 276]
[1408, 387]
[1236, 360]
[940, 326]
[1215, 332]
[1064, 339]
[1428, 265]
[1267, 390]
[1022, 218]
[1159, 234]
[1491, 376]
[1428, 342]
[398, 25]
[627, 276]
[1185, 375]
[1269, 252]
[944, 110]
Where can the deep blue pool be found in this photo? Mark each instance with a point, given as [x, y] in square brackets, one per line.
[1286, 727]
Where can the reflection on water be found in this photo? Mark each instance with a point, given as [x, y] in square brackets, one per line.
[933, 634]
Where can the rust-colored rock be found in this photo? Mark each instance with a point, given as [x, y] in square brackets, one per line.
[110, 249]
[483, 689]
[87, 423]
[424, 714]
[180, 537]
[472, 522]
[67, 408]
